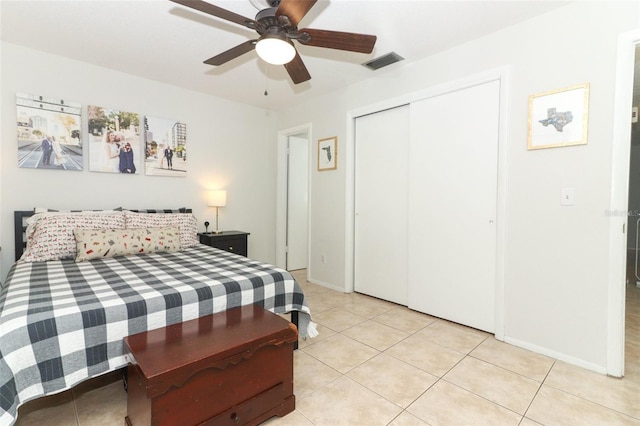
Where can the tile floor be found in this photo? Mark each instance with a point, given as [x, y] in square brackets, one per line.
[376, 363]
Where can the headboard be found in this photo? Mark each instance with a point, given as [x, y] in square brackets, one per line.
[20, 224]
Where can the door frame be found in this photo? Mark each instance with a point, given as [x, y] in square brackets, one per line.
[619, 202]
[282, 190]
[500, 74]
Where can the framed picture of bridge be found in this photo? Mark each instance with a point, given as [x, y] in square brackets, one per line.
[328, 154]
[49, 133]
[559, 118]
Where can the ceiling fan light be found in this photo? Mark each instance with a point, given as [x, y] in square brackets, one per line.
[275, 50]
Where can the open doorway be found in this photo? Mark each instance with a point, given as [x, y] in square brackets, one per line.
[632, 294]
[292, 239]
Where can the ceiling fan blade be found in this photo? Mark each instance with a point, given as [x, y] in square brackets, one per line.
[294, 9]
[232, 53]
[297, 70]
[352, 42]
[216, 11]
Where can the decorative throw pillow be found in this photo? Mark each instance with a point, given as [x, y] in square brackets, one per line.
[185, 222]
[48, 210]
[180, 210]
[99, 243]
[50, 235]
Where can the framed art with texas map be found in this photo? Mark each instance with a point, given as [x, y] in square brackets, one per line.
[559, 118]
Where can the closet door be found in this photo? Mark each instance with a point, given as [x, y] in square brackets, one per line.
[452, 205]
[381, 162]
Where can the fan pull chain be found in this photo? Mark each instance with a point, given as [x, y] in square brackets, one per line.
[266, 79]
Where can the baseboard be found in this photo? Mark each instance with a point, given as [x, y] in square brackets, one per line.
[557, 355]
[327, 285]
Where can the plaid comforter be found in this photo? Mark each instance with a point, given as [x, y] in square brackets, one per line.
[62, 322]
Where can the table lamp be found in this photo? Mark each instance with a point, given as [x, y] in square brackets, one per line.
[217, 198]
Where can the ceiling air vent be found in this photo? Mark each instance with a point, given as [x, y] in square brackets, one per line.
[383, 61]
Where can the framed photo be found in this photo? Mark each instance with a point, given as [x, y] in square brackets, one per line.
[165, 147]
[328, 154]
[49, 133]
[114, 140]
[559, 118]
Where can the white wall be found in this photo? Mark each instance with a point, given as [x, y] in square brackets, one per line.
[219, 134]
[556, 257]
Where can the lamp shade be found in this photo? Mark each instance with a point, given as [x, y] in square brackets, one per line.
[217, 198]
[275, 49]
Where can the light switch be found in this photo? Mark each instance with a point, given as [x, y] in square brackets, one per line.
[568, 197]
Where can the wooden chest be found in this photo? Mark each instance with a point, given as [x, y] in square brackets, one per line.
[233, 367]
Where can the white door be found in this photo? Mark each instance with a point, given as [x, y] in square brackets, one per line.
[380, 228]
[297, 203]
[452, 205]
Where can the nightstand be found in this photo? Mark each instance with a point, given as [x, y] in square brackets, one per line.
[231, 241]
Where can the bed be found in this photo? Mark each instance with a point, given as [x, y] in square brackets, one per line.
[62, 321]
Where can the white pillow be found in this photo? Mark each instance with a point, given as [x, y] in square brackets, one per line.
[186, 223]
[50, 235]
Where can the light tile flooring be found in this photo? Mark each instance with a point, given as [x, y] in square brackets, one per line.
[376, 363]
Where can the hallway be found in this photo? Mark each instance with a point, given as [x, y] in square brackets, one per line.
[632, 331]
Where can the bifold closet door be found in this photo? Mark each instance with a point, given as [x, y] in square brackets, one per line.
[452, 205]
[380, 228]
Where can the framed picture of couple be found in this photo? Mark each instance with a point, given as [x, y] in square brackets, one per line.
[50, 136]
[165, 147]
[115, 137]
[114, 140]
[49, 133]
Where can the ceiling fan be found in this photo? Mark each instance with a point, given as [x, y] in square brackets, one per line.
[277, 26]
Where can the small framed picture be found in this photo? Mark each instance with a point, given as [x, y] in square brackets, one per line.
[559, 118]
[328, 154]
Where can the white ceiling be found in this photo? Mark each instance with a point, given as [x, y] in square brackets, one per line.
[167, 42]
